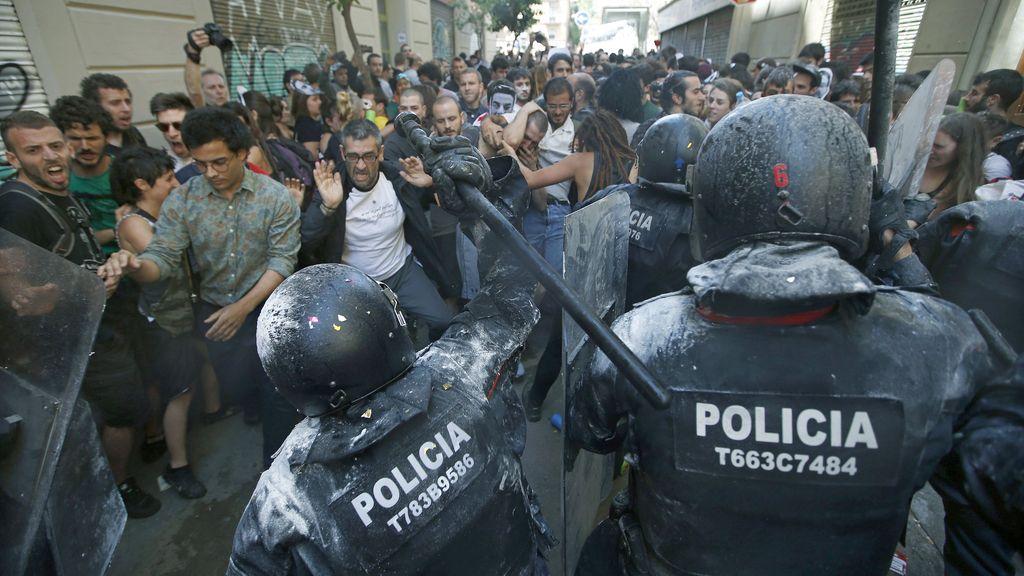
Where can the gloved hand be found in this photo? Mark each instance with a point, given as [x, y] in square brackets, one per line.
[887, 214]
[510, 193]
[917, 208]
[455, 159]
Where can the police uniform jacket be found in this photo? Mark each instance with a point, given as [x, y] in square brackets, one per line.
[421, 478]
[807, 408]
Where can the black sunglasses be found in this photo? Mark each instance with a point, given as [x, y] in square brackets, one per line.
[164, 126]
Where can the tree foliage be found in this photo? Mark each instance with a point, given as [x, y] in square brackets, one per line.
[472, 16]
[345, 7]
[516, 16]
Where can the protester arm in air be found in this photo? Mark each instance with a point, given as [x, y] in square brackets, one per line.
[193, 74]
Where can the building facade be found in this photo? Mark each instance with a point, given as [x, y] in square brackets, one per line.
[50, 45]
[978, 35]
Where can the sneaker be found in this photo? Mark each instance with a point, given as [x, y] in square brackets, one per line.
[137, 503]
[531, 408]
[153, 449]
[183, 481]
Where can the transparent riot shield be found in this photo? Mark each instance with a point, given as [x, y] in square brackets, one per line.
[59, 506]
[596, 255]
[912, 134]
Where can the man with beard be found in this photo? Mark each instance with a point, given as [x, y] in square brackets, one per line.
[112, 93]
[361, 218]
[544, 225]
[449, 120]
[680, 94]
[169, 109]
[471, 95]
[37, 207]
[995, 91]
[83, 124]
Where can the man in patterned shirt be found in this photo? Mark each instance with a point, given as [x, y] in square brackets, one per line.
[244, 230]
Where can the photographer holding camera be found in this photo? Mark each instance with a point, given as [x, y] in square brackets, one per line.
[209, 87]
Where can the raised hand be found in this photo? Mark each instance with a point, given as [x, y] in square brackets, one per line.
[328, 182]
[295, 188]
[414, 173]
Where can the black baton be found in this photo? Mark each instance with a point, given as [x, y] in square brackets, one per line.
[408, 125]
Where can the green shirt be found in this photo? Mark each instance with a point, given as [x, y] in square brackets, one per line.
[651, 110]
[94, 192]
[235, 241]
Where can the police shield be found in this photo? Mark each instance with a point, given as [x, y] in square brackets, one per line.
[596, 255]
[911, 136]
[60, 508]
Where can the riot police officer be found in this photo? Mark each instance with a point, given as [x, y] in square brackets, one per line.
[808, 404]
[660, 208]
[401, 466]
[976, 255]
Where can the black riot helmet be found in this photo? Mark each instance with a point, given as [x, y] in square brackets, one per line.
[669, 147]
[329, 336]
[785, 167]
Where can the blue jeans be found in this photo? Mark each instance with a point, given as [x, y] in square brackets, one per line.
[546, 232]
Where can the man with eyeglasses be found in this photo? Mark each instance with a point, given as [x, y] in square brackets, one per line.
[544, 225]
[371, 217]
[244, 230]
[169, 109]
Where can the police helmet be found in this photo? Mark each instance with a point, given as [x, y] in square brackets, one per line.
[669, 147]
[782, 167]
[329, 336]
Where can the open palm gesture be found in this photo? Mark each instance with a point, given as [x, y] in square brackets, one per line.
[328, 182]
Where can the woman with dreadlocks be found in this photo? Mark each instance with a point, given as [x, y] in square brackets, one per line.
[601, 157]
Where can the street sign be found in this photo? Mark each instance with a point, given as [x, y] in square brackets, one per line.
[581, 18]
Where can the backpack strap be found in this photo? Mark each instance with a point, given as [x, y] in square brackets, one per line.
[66, 242]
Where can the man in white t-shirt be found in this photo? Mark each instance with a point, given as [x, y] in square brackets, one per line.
[544, 224]
[375, 223]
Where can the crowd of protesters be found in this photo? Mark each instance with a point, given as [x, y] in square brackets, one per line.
[244, 193]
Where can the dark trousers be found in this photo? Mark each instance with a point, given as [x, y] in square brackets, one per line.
[242, 378]
[550, 364]
[418, 297]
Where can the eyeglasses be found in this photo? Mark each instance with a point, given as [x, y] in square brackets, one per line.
[218, 165]
[164, 126]
[368, 158]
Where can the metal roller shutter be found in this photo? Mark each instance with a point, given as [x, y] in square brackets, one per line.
[706, 37]
[20, 86]
[271, 37]
[849, 32]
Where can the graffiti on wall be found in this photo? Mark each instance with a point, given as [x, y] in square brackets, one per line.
[14, 88]
[272, 36]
